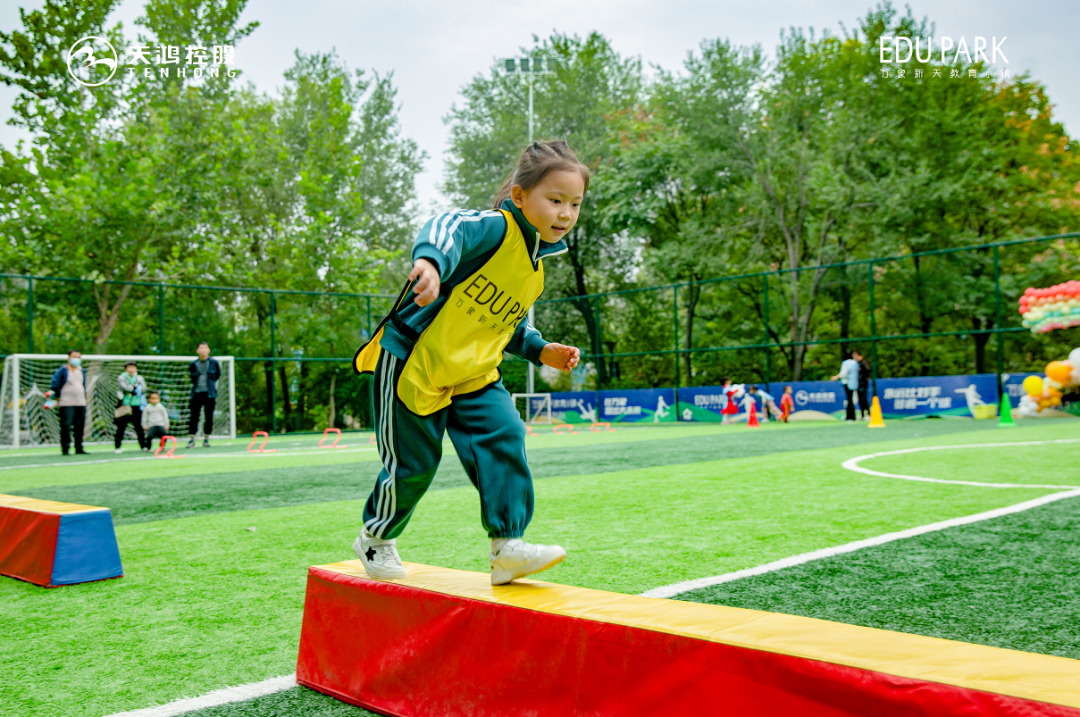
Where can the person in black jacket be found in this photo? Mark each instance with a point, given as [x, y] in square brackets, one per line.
[864, 384]
[205, 372]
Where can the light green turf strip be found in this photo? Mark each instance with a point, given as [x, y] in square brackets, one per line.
[30, 478]
[206, 603]
[132, 466]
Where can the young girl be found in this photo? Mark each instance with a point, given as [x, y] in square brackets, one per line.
[435, 361]
[731, 408]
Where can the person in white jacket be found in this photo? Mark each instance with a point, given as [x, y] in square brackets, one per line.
[155, 419]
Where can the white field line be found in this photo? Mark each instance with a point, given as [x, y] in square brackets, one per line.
[852, 464]
[285, 452]
[667, 591]
[224, 696]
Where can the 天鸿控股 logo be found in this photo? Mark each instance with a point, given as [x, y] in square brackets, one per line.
[92, 61]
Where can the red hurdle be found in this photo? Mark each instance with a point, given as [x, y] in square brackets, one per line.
[336, 440]
[161, 447]
[262, 448]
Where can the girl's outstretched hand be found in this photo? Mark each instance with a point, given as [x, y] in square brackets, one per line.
[564, 358]
[427, 283]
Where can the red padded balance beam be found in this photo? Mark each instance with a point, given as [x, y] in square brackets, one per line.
[445, 642]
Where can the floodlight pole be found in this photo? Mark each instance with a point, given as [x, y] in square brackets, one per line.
[512, 64]
[530, 375]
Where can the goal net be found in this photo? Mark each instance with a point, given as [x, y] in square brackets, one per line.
[533, 407]
[26, 421]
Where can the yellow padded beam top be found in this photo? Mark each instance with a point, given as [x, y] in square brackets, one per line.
[44, 506]
[1043, 678]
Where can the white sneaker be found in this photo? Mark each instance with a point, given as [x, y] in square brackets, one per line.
[380, 557]
[118, 450]
[517, 559]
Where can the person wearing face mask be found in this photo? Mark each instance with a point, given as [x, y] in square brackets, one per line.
[69, 386]
[130, 394]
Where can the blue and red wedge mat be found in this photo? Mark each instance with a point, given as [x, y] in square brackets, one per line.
[51, 544]
[445, 642]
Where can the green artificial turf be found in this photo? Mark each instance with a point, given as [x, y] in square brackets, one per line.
[295, 702]
[280, 480]
[206, 602]
[549, 454]
[1011, 582]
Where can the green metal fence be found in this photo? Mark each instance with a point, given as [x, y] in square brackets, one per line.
[935, 312]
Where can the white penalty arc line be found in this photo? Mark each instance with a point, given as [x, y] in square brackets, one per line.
[224, 696]
[667, 591]
[852, 464]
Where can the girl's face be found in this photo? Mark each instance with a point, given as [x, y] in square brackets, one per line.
[551, 206]
[155, 399]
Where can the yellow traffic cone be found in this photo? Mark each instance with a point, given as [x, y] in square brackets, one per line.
[876, 419]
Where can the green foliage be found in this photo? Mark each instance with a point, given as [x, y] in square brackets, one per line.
[201, 181]
[738, 166]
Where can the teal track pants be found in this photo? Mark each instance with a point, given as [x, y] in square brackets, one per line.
[488, 434]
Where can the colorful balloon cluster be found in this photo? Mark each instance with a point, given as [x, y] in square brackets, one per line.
[1046, 392]
[1055, 308]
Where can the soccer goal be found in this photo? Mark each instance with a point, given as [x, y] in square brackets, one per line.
[535, 408]
[26, 421]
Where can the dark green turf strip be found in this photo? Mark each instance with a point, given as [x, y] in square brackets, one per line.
[1011, 582]
[297, 702]
[187, 495]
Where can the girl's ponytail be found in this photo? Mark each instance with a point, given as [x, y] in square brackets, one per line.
[536, 161]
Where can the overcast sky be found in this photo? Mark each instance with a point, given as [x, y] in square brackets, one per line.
[434, 48]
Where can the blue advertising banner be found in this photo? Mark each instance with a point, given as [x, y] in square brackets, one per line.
[947, 396]
[569, 406]
[814, 399]
[656, 405]
[702, 403]
[936, 395]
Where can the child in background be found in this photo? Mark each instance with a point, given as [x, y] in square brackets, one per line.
[731, 408]
[768, 405]
[787, 405]
[155, 419]
[435, 362]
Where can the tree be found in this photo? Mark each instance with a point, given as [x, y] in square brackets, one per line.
[576, 103]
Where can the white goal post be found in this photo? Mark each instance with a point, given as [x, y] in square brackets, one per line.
[537, 408]
[26, 421]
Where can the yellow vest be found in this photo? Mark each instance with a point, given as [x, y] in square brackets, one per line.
[461, 349]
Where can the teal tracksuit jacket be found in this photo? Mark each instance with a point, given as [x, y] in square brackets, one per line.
[435, 370]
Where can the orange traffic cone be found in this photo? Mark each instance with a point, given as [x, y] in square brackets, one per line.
[751, 421]
[876, 419]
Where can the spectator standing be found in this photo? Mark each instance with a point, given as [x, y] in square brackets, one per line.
[155, 419]
[69, 386]
[205, 372]
[864, 384]
[849, 376]
[130, 393]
